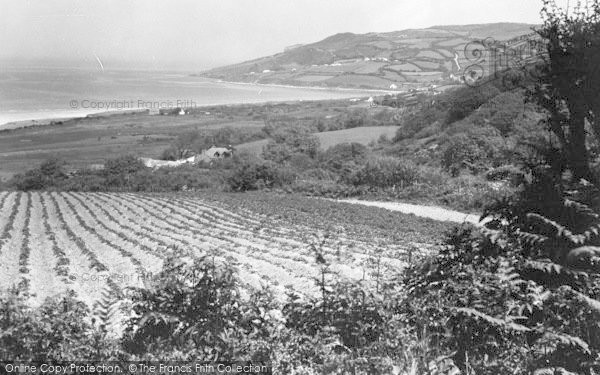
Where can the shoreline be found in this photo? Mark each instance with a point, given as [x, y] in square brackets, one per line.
[380, 91]
[45, 120]
[59, 119]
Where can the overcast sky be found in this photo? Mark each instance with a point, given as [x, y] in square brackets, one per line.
[198, 34]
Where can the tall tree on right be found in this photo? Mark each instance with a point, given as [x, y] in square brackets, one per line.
[569, 82]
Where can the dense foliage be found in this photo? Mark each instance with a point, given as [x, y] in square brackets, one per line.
[567, 86]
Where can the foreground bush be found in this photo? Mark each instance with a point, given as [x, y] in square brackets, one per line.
[521, 296]
[385, 172]
[193, 310]
[59, 330]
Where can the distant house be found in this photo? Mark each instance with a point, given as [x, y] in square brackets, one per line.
[171, 111]
[206, 156]
[219, 152]
[213, 153]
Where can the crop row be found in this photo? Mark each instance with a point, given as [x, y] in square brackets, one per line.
[68, 238]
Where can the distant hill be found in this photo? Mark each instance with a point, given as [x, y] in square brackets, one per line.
[399, 59]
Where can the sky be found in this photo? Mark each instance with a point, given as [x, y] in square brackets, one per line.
[200, 34]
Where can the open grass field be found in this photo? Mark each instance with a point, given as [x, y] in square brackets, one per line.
[90, 242]
[363, 135]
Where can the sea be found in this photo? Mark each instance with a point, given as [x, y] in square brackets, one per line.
[41, 93]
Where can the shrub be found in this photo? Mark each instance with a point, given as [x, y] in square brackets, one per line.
[462, 152]
[255, 174]
[349, 311]
[289, 141]
[521, 295]
[448, 287]
[85, 181]
[185, 177]
[58, 330]
[502, 112]
[336, 156]
[123, 165]
[185, 305]
[511, 173]
[49, 175]
[466, 100]
[301, 162]
[326, 188]
[385, 172]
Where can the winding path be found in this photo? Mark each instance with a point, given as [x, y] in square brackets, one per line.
[431, 212]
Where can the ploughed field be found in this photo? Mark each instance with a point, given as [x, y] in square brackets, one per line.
[51, 242]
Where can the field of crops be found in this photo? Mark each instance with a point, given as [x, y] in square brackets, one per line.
[89, 242]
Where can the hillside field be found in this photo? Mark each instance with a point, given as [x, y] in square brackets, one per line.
[365, 60]
[90, 242]
[363, 135]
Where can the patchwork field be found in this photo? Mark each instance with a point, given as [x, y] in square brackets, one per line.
[92, 242]
[360, 60]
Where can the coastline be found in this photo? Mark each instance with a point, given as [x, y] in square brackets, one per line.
[50, 119]
[378, 91]
[59, 119]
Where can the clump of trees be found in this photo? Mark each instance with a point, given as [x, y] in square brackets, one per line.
[255, 173]
[287, 142]
[123, 173]
[49, 173]
[568, 80]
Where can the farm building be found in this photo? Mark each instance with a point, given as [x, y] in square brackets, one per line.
[171, 111]
[206, 156]
[219, 152]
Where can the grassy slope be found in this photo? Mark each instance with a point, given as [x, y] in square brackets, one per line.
[363, 135]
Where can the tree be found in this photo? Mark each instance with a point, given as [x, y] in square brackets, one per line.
[463, 152]
[568, 86]
[182, 146]
[288, 141]
[123, 165]
[48, 175]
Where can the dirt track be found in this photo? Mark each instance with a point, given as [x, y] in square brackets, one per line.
[431, 212]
